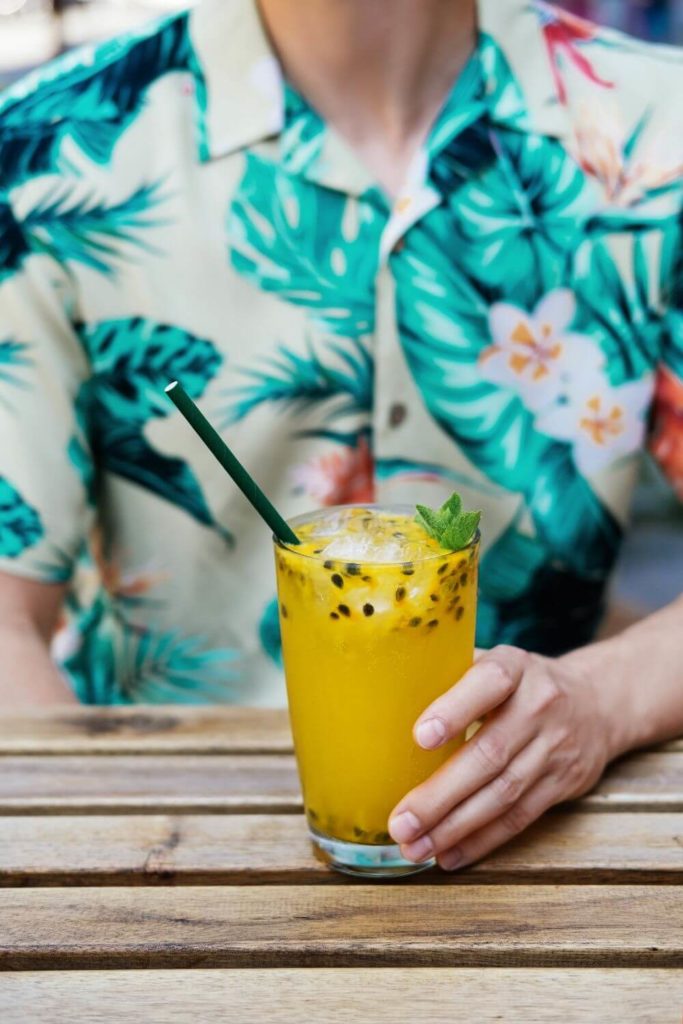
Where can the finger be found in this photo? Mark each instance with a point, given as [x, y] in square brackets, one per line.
[482, 759]
[485, 805]
[485, 686]
[515, 820]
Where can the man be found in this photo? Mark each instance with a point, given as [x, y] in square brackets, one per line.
[392, 248]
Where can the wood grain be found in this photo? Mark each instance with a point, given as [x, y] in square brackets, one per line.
[184, 784]
[236, 850]
[146, 730]
[345, 996]
[338, 926]
[162, 729]
[132, 783]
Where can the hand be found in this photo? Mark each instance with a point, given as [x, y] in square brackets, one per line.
[544, 741]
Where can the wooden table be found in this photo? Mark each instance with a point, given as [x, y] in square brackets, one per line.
[155, 867]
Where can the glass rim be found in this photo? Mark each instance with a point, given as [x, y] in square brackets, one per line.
[376, 506]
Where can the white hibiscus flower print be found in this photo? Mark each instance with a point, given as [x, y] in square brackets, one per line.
[603, 422]
[533, 353]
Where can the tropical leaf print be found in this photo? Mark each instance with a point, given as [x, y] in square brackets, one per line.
[410, 469]
[13, 361]
[91, 231]
[619, 316]
[343, 383]
[517, 205]
[313, 247]
[20, 523]
[13, 246]
[132, 360]
[116, 662]
[444, 330]
[90, 101]
[269, 632]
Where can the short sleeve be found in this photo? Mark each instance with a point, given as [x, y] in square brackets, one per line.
[45, 461]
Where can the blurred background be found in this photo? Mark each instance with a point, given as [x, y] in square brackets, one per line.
[32, 31]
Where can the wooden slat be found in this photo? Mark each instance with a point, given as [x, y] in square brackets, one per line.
[641, 782]
[131, 783]
[234, 849]
[337, 926]
[148, 730]
[154, 730]
[345, 996]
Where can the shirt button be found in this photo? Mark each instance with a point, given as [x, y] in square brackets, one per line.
[397, 414]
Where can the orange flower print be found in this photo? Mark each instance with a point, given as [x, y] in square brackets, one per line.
[532, 352]
[604, 423]
[340, 477]
[666, 443]
[627, 167]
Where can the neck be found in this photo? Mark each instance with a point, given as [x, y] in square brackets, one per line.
[377, 70]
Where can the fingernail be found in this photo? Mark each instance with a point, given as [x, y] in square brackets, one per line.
[404, 827]
[420, 850]
[451, 860]
[431, 733]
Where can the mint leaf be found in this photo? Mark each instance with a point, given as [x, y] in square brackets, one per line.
[449, 525]
[429, 520]
[453, 507]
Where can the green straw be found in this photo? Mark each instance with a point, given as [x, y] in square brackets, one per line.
[217, 446]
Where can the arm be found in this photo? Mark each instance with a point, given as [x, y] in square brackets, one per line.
[28, 615]
[553, 725]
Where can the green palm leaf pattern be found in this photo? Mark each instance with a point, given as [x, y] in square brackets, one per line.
[13, 360]
[297, 382]
[90, 101]
[91, 231]
[13, 245]
[120, 663]
[312, 247]
[619, 315]
[132, 360]
[20, 523]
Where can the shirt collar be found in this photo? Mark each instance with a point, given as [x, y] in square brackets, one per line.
[241, 95]
[240, 92]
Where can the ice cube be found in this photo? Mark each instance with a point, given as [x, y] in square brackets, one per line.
[359, 547]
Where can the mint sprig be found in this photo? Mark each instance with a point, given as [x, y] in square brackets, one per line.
[450, 525]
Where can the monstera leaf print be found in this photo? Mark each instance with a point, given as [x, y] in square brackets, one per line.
[20, 524]
[519, 212]
[314, 247]
[132, 361]
[90, 101]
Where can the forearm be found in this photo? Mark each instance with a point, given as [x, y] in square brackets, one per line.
[637, 679]
[28, 676]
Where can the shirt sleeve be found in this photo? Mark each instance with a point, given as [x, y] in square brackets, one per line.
[45, 459]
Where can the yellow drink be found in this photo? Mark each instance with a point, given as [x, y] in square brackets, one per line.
[367, 645]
